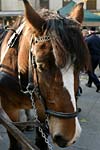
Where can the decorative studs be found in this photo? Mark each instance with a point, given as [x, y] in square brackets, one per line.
[42, 39]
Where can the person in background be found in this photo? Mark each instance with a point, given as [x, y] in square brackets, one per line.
[93, 43]
[85, 33]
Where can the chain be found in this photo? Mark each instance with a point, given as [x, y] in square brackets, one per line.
[36, 118]
[45, 138]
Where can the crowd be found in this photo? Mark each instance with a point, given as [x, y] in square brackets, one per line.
[92, 39]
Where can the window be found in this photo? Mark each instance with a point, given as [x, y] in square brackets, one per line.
[91, 5]
[44, 4]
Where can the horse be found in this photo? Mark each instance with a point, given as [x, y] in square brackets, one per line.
[41, 58]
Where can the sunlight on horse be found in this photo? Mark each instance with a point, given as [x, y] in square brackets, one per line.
[47, 50]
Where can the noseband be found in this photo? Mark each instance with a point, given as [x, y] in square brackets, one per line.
[35, 87]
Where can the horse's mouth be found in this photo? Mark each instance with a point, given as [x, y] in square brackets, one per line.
[60, 141]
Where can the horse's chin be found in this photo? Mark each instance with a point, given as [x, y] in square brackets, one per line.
[62, 143]
[60, 140]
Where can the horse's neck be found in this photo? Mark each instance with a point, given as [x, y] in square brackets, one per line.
[10, 40]
[9, 52]
[16, 57]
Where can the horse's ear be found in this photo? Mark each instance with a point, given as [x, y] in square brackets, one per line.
[77, 12]
[32, 17]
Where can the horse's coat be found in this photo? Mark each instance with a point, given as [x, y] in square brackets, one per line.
[53, 43]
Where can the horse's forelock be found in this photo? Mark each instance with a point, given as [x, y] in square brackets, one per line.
[67, 42]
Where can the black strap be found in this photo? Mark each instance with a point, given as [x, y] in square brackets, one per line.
[63, 115]
[6, 67]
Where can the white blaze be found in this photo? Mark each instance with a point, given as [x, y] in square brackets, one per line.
[68, 80]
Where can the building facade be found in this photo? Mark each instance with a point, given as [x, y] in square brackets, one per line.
[92, 5]
[11, 8]
[17, 5]
[14, 5]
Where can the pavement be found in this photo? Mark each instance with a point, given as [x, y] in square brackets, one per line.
[89, 119]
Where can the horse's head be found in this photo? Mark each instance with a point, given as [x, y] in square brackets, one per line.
[60, 54]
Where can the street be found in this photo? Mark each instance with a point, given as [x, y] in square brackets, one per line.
[89, 118]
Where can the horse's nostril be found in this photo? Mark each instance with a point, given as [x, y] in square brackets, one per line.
[74, 142]
[60, 141]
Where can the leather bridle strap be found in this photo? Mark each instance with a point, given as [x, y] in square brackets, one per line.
[37, 91]
[63, 115]
[7, 68]
[31, 85]
[30, 68]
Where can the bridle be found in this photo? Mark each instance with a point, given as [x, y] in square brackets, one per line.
[35, 87]
[31, 86]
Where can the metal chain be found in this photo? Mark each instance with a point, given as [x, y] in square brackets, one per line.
[36, 119]
[46, 139]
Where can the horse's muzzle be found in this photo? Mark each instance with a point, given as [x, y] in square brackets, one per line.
[60, 141]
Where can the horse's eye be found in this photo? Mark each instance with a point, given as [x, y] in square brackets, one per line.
[42, 67]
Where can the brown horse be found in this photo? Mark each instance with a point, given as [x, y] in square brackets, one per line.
[46, 52]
